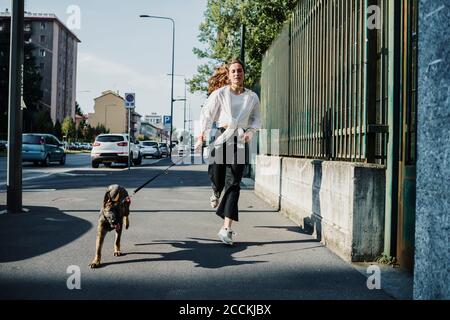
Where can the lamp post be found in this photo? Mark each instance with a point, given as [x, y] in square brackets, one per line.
[185, 98]
[173, 67]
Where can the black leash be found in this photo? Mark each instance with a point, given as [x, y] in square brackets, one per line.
[153, 178]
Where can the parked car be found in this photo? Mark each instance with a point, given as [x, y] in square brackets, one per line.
[113, 148]
[42, 148]
[164, 149]
[150, 149]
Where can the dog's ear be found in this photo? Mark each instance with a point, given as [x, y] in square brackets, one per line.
[106, 198]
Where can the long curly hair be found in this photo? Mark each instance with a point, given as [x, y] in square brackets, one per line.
[219, 79]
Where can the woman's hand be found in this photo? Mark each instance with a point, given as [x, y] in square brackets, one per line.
[247, 136]
[198, 145]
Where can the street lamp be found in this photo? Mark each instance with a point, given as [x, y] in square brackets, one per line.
[173, 65]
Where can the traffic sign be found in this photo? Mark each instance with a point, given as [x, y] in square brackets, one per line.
[167, 120]
[130, 102]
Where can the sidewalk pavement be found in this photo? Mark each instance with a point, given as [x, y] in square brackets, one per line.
[171, 248]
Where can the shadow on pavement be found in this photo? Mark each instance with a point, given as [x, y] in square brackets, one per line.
[178, 211]
[204, 253]
[41, 230]
[295, 229]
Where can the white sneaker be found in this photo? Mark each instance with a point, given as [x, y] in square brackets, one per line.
[214, 200]
[226, 236]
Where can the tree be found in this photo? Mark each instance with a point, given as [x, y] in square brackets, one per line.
[220, 31]
[43, 122]
[57, 130]
[68, 128]
[31, 89]
[78, 110]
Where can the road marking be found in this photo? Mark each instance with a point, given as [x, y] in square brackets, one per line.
[82, 174]
[38, 190]
[30, 178]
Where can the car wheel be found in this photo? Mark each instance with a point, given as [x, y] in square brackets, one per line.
[46, 161]
[138, 161]
[63, 160]
[95, 164]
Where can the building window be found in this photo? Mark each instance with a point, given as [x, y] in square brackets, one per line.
[42, 52]
[42, 39]
[42, 65]
[2, 27]
[43, 25]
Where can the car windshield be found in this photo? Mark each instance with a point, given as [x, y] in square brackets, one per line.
[110, 138]
[149, 144]
[31, 139]
[163, 145]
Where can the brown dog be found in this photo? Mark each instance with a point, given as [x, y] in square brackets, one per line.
[113, 216]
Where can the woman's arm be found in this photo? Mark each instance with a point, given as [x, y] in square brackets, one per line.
[208, 115]
[254, 121]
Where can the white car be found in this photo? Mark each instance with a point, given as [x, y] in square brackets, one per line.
[113, 148]
[150, 149]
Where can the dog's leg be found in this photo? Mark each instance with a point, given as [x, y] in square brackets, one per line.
[101, 233]
[117, 252]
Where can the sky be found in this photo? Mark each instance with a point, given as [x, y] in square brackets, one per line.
[121, 52]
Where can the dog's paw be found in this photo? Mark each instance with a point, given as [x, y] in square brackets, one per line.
[95, 264]
[117, 253]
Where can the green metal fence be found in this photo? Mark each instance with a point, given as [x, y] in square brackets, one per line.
[323, 82]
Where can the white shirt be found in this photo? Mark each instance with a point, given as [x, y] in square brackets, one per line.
[237, 103]
[219, 108]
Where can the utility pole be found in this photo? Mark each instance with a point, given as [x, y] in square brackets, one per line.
[14, 178]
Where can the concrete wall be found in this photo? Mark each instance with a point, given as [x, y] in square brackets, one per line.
[267, 179]
[341, 203]
[432, 241]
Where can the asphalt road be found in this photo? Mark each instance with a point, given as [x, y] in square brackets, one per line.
[81, 161]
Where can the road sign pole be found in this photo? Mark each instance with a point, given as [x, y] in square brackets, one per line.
[130, 156]
[130, 103]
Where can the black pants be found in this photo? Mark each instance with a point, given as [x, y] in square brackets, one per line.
[226, 175]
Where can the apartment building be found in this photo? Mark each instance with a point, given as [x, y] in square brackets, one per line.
[56, 49]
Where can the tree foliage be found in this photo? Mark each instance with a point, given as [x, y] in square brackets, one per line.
[57, 130]
[78, 110]
[221, 31]
[68, 128]
[32, 92]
